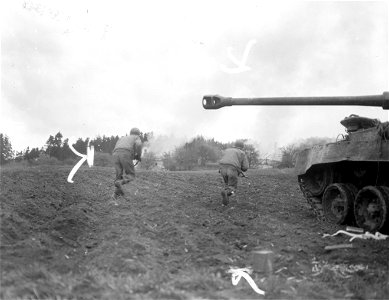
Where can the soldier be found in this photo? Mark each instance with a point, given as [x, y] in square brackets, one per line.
[127, 149]
[233, 163]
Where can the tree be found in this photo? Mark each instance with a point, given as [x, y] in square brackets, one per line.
[81, 145]
[19, 156]
[111, 143]
[103, 144]
[6, 149]
[168, 162]
[98, 143]
[206, 153]
[145, 137]
[185, 157]
[59, 149]
[197, 152]
[32, 154]
[289, 152]
[57, 153]
[50, 145]
[66, 152]
[252, 155]
[288, 159]
[53, 145]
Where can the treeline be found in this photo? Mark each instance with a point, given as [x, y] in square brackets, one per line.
[198, 153]
[201, 152]
[58, 148]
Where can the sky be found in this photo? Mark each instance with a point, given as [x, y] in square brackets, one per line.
[88, 68]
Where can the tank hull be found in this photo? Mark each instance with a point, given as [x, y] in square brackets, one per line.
[357, 151]
[347, 182]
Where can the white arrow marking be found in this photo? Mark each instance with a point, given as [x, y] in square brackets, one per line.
[241, 64]
[89, 157]
[237, 274]
[366, 235]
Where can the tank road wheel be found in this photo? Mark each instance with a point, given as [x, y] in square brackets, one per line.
[371, 208]
[317, 179]
[338, 202]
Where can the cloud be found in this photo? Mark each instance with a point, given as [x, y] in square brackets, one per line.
[90, 68]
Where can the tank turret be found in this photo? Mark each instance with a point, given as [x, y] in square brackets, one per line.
[346, 182]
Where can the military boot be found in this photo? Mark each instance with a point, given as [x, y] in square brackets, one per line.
[118, 190]
[224, 198]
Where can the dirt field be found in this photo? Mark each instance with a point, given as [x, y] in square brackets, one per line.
[170, 238]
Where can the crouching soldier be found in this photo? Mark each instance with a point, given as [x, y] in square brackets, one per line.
[127, 149]
[233, 163]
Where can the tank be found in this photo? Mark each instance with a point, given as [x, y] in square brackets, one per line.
[345, 182]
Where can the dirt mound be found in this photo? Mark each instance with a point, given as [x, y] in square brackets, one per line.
[171, 238]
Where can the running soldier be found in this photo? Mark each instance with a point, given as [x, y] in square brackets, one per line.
[233, 163]
[127, 149]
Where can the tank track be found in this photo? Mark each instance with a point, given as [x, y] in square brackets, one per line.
[314, 202]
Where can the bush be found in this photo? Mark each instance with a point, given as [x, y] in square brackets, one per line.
[44, 159]
[103, 159]
[70, 161]
[288, 159]
[168, 162]
[149, 161]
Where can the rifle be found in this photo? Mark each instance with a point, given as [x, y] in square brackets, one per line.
[241, 173]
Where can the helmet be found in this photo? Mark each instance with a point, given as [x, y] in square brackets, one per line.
[239, 144]
[135, 131]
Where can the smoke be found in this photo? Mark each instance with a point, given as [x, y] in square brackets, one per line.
[161, 144]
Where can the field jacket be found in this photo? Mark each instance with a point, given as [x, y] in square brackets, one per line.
[235, 157]
[131, 143]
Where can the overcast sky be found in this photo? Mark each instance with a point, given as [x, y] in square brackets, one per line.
[88, 68]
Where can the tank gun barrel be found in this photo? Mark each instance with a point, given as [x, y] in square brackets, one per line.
[216, 101]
